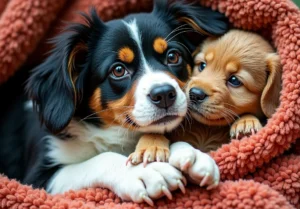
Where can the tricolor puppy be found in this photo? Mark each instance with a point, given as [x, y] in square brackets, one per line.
[236, 82]
[102, 87]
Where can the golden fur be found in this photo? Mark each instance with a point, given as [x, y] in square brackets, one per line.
[227, 111]
[253, 61]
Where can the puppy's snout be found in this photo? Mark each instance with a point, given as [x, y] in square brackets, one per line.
[163, 96]
[197, 95]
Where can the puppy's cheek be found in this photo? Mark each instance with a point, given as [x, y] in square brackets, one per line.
[118, 110]
[95, 101]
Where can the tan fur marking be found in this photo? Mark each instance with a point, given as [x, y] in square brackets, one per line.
[254, 59]
[115, 112]
[160, 45]
[95, 100]
[194, 25]
[189, 69]
[154, 146]
[209, 57]
[71, 66]
[126, 55]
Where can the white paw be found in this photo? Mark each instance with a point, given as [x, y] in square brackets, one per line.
[157, 179]
[198, 166]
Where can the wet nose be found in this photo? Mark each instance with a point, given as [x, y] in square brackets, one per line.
[197, 95]
[163, 96]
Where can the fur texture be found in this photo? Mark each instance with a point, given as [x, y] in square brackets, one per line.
[277, 20]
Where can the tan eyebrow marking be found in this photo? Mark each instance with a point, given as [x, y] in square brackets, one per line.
[126, 55]
[160, 45]
[209, 56]
[232, 67]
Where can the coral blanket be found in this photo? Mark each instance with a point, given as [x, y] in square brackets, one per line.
[262, 171]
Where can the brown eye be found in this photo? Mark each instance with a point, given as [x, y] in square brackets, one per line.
[173, 57]
[119, 71]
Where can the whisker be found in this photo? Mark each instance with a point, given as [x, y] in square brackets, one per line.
[180, 32]
[104, 111]
[176, 29]
[182, 45]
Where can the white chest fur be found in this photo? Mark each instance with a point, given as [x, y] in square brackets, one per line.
[87, 141]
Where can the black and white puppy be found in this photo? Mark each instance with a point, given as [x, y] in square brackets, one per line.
[103, 85]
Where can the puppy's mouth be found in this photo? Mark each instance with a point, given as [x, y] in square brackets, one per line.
[165, 119]
[162, 121]
[131, 122]
[207, 117]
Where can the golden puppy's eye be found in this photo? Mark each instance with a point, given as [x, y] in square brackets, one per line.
[234, 81]
[173, 57]
[202, 66]
[118, 71]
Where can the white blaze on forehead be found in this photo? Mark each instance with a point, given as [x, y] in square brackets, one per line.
[136, 36]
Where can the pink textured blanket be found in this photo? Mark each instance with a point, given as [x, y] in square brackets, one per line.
[273, 179]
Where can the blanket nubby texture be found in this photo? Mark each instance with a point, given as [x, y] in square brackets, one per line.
[256, 172]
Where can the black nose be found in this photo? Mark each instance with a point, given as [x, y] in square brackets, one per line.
[197, 95]
[163, 96]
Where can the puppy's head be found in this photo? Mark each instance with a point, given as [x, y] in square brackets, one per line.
[126, 72]
[236, 74]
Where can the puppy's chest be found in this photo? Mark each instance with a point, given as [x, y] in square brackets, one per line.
[114, 139]
[202, 137]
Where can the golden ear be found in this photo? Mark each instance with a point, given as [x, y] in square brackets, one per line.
[270, 95]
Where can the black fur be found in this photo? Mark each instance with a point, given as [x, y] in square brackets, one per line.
[58, 97]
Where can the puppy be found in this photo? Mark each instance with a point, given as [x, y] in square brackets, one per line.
[103, 86]
[236, 82]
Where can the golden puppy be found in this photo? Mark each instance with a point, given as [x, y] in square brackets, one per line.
[236, 82]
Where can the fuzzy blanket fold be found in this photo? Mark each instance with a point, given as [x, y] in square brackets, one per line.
[267, 176]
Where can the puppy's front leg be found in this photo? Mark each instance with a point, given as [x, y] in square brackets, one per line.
[108, 170]
[246, 125]
[200, 168]
[151, 147]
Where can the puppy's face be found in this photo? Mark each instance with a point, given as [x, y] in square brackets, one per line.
[137, 80]
[127, 72]
[233, 75]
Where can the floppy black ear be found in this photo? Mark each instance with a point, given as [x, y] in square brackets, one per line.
[201, 19]
[185, 18]
[55, 85]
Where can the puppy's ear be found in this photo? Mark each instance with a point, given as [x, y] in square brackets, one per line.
[201, 19]
[55, 85]
[270, 94]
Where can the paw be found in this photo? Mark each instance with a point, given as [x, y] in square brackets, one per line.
[142, 184]
[245, 126]
[199, 167]
[149, 154]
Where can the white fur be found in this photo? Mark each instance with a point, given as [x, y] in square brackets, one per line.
[87, 141]
[136, 36]
[144, 111]
[90, 156]
[195, 163]
[108, 170]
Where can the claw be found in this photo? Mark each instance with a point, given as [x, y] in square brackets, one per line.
[214, 185]
[184, 181]
[128, 160]
[237, 135]
[166, 192]
[186, 165]
[145, 163]
[205, 179]
[253, 131]
[181, 186]
[147, 200]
